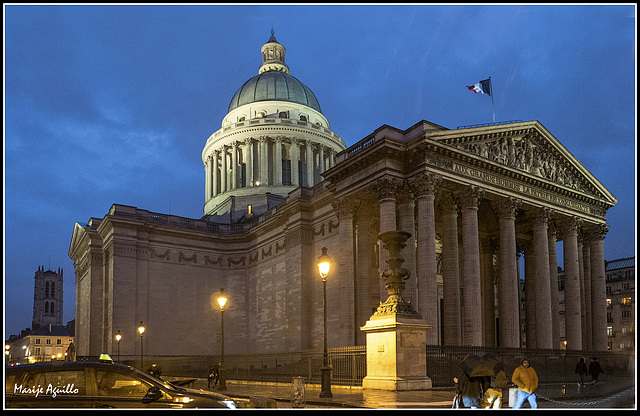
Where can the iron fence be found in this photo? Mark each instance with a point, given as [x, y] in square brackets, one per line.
[349, 364]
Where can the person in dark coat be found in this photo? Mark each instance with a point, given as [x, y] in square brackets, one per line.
[471, 389]
[595, 370]
[155, 370]
[214, 375]
[581, 370]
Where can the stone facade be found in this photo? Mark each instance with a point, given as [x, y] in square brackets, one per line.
[473, 200]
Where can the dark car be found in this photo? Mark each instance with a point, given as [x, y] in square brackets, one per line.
[99, 385]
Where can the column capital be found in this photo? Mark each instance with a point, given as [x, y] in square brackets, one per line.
[264, 139]
[405, 194]
[595, 232]
[569, 225]
[449, 203]
[542, 215]
[506, 207]
[471, 196]
[345, 207]
[248, 141]
[425, 183]
[387, 187]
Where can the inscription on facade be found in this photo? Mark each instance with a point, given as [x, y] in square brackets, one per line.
[520, 188]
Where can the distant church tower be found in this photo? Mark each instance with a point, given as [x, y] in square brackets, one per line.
[47, 298]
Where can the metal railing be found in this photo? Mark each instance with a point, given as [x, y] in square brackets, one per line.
[349, 364]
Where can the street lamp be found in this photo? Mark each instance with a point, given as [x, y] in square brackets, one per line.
[222, 301]
[324, 265]
[141, 329]
[118, 338]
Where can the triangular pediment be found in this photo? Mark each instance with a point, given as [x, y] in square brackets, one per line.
[530, 148]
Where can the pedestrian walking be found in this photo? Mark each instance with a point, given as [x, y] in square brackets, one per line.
[493, 395]
[526, 379]
[581, 371]
[595, 370]
[469, 390]
[214, 376]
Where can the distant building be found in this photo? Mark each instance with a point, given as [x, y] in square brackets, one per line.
[47, 343]
[621, 300]
[47, 298]
[620, 292]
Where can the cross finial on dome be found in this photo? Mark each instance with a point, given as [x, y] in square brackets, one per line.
[273, 37]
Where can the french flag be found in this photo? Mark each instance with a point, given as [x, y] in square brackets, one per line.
[483, 87]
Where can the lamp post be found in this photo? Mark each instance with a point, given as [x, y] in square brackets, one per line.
[324, 265]
[222, 301]
[141, 329]
[118, 338]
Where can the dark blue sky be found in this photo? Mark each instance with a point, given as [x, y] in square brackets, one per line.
[113, 104]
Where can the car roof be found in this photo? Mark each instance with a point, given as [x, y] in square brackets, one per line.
[67, 364]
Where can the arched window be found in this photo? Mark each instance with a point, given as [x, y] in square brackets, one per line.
[243, 118]
[46, 290]
[53, 290]
[46, 308]
[303, 118]
[283, 114]
[51, 311]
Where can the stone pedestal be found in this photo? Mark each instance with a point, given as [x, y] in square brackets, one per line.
[396, 353]
[396, 333]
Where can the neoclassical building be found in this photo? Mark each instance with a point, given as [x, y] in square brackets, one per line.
[280, 186]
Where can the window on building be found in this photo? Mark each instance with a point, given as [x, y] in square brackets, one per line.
[626, 301]
[53, 289]
[286, 172]
[303, 118]
[609, 318]
[243, 118]
[608, 290]
[37, 340]
[48, 341]
[59, 341]
[46, 290]
[46, 308]
[626, 314]
[626, 286]
[283, 114]
[608, 303]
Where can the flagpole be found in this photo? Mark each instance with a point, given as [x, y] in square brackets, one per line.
[493, 109]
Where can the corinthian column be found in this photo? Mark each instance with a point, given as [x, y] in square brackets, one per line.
[295, 161]
[407, 222]
[224, 172]
[207, 181]
[249, 143]
[215, 172]
[508, 291]
[450, 272]
[309, 157]
[386, 189]
[234, 165]
[425, 187]
[598, 287]
[277, 172]
[544, 326]
[345, 309]
[472, 312]
[264, 160]
[572, 307]
[553, 286]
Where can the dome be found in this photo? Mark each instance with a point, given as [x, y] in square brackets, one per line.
[274, 82]
[274, 85]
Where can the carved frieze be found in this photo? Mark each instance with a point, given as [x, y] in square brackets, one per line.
[525, 153]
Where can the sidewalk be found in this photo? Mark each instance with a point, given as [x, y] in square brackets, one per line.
[613, 393]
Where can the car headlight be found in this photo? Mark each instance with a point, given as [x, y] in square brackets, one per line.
[229, 403]
[183, 399]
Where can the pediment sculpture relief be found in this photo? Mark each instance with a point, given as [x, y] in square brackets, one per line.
[524, 154]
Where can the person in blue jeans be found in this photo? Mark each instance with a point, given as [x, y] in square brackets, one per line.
[526, 378]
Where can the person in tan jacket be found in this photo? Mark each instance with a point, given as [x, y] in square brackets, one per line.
[526, 378]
